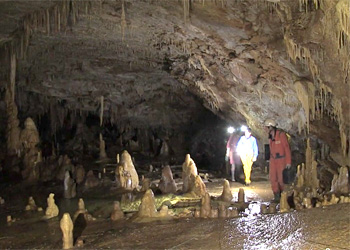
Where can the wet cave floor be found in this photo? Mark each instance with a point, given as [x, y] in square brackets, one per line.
[317, 228]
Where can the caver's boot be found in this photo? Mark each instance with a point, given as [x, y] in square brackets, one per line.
[277, 198]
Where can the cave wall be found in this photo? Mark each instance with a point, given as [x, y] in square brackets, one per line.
[163, 63]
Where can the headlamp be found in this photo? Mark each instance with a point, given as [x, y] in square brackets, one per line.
[230, 130]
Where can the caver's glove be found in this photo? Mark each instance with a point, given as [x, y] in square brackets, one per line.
[288, 166]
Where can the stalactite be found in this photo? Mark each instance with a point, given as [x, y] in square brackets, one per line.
[186, 9]
[303, 96]
[123, 22]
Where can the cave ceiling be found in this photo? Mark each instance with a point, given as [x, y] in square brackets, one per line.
[165, 62]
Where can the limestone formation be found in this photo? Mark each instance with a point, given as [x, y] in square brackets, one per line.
[226, 192]
[31, 204]
[69, 186]
[146, 184]
[307, 203]
[167, 184]
[284, 206]
[30, 139]
[205, 206]
[241, 196]
[272, 208]
[263, 209]
[232, 212]
[66, 225]
[117, 213]
[214, 213]
[189, 173]
[164, 211]
[52, 209]
[340, 183]
[80, 174]
[12, 131]
[147, 207]
[2, 201]
[222, 211]
[300, 176]
[126, 172]
[199, 189]
[81, 209]
[9, 219]
[334, 199]
[65, 164]
[91, 181]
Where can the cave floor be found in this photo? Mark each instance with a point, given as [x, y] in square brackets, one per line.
[317, 228]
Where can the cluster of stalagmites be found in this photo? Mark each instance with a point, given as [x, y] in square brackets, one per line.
[306, 195]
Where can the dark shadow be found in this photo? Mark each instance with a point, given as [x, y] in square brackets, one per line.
[79, 226]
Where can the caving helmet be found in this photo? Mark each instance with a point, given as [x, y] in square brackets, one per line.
[270, 123]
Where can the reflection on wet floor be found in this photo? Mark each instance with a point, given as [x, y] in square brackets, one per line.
[318, 228]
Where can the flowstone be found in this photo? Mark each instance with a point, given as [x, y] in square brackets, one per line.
[66, 225]
[226, 192]
[52, 209]
[167, 183]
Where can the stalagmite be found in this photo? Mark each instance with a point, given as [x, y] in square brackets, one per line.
[189, 173]
[199, 189]
[146, 184]
[263, 209]
[66, 225]
[80, 174]
[284, 206]
[69, 186]
[226, 192]
[117, 213]
[241, 195]
[103, 154]
[147, 207]
[340, 183]
[31, 204]
[334, 199]
[91, 180]
[81, 209]
[205, 206]
[167, 183]
[126, 174]
[222, 211]
[310, 168]
[307, 203]
[30, 140]
[52, 209]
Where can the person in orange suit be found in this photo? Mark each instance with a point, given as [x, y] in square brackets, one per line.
[231, 152]
[280, 157]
